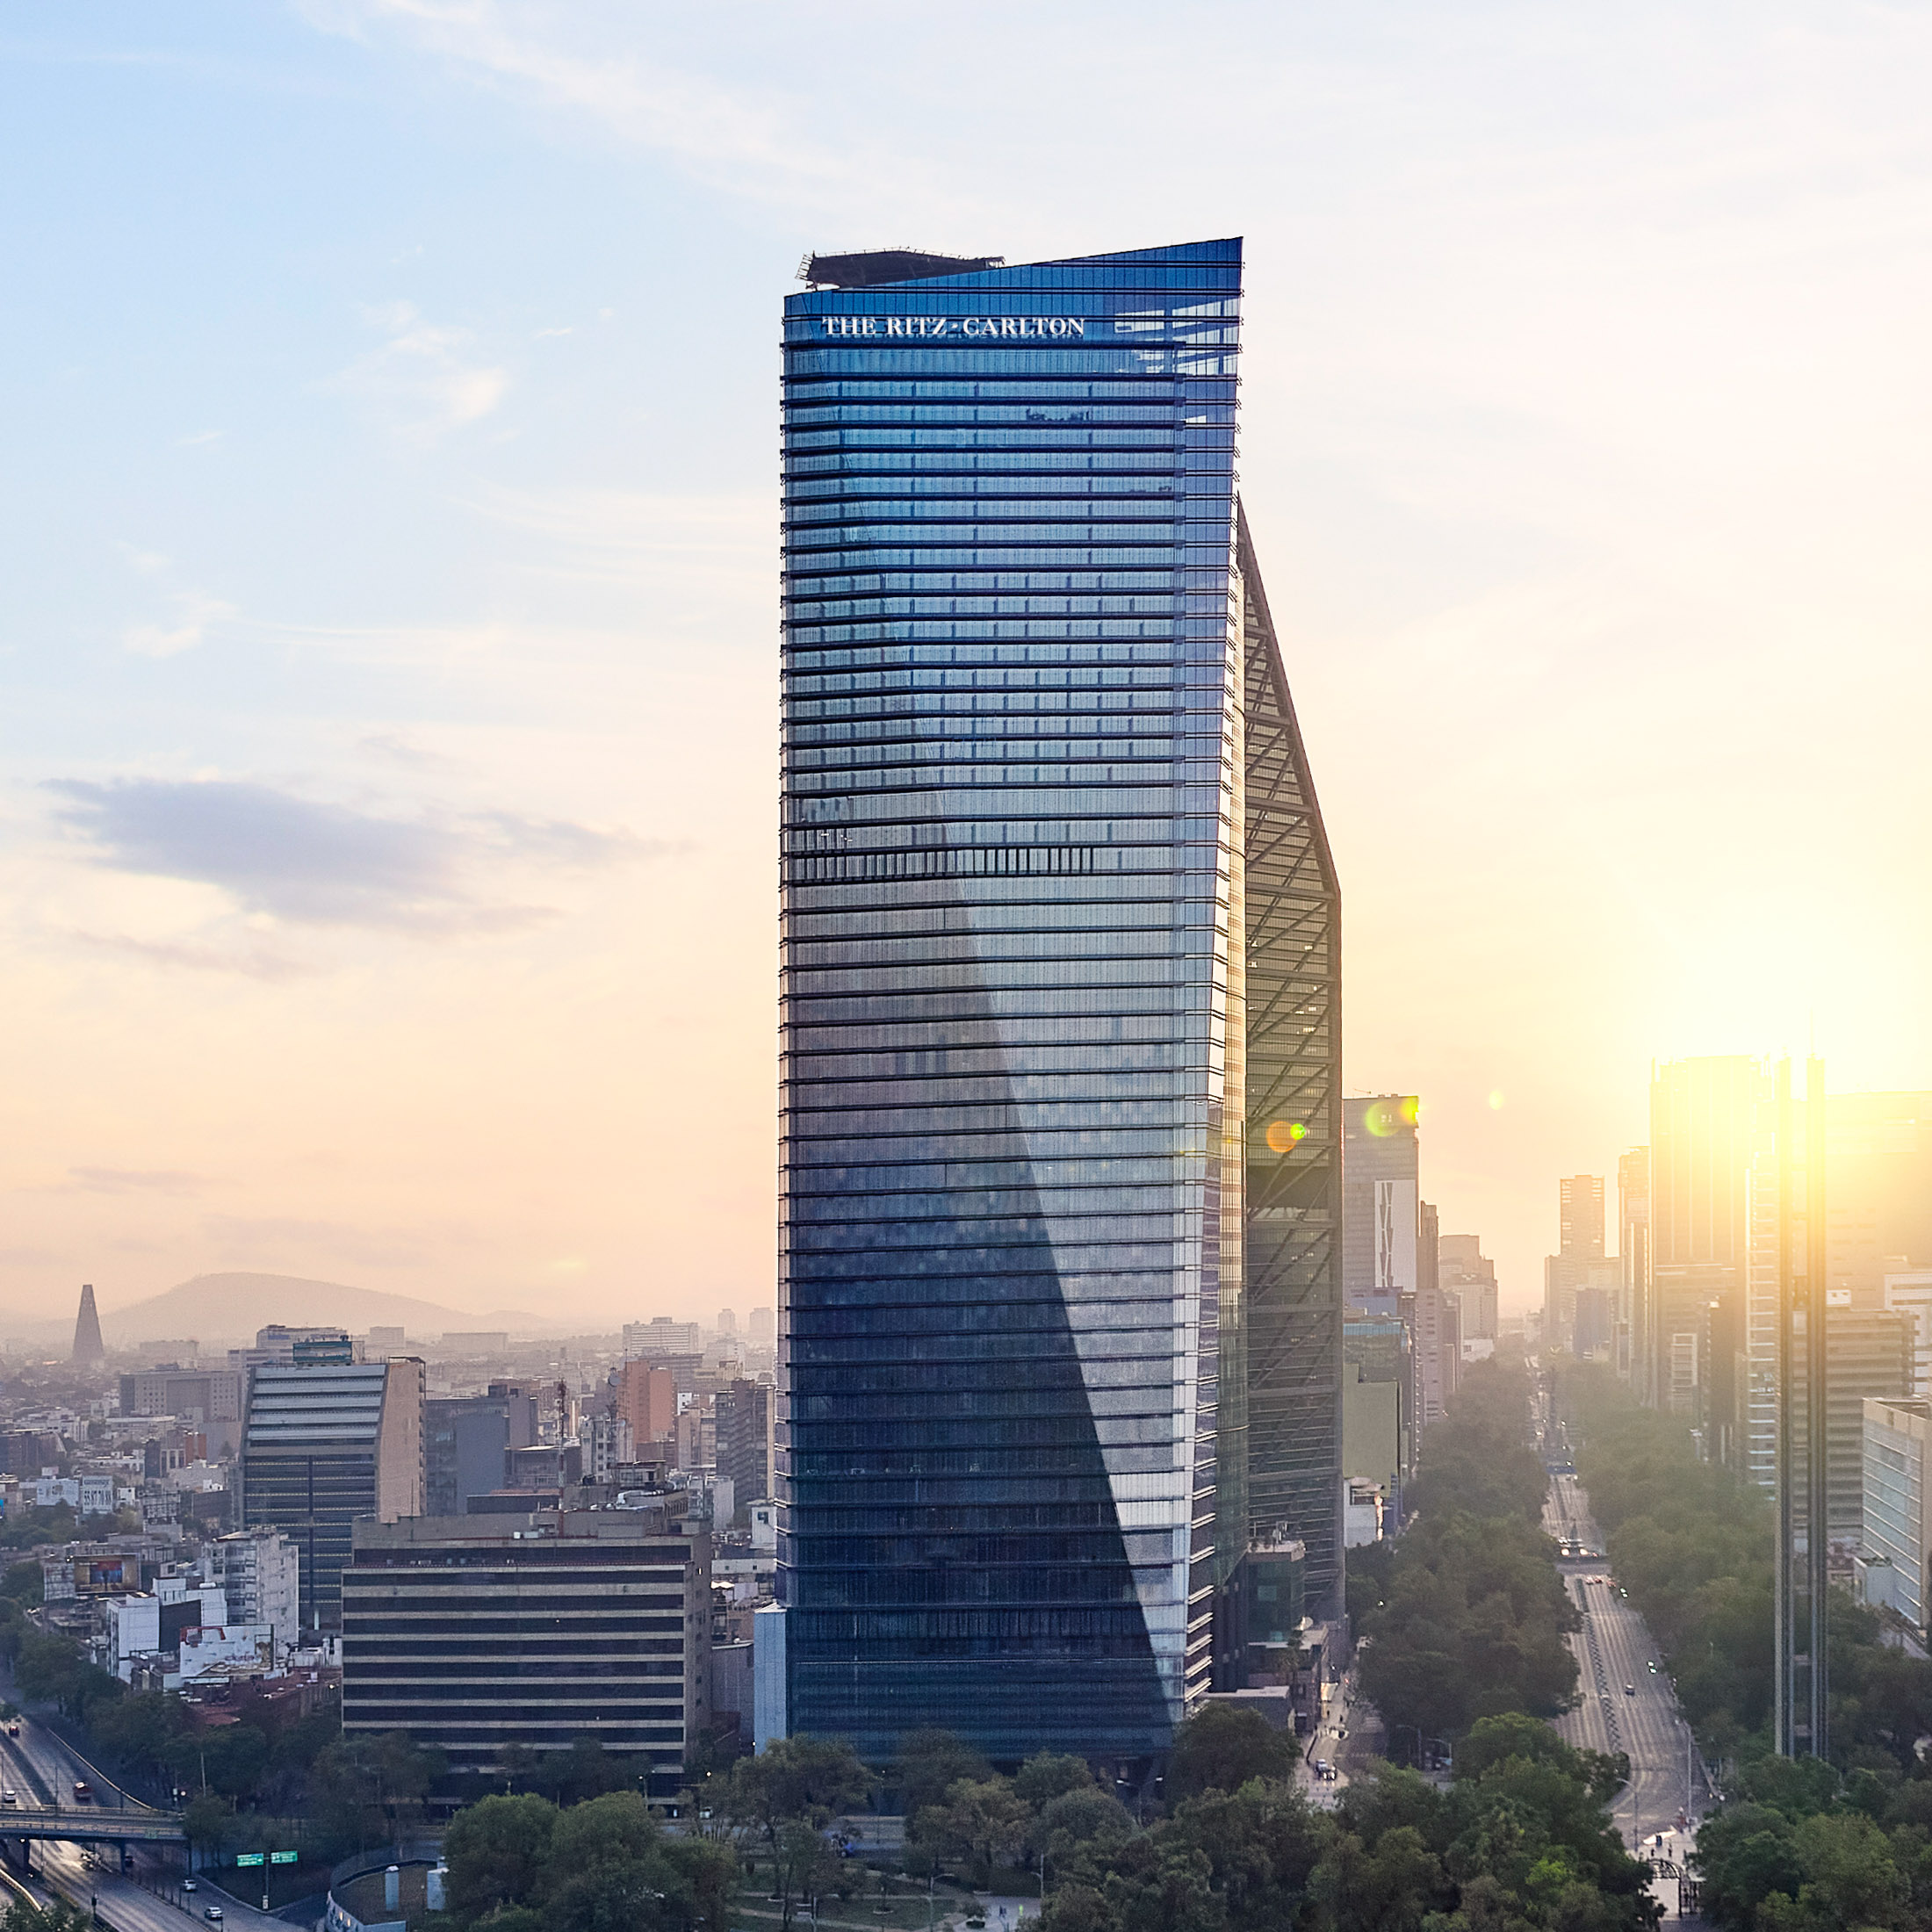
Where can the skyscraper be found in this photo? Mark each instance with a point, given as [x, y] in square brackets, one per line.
[1382, 1201]
[322, 1447]
[1060, 1321]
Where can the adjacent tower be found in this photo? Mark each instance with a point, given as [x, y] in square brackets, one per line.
[1060, 1149]
[88, 1345]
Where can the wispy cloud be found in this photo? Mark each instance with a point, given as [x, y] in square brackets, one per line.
[246, 959]
[130, 1181]
[200, 436]
[427, 379]
[195, 615]
[295, 859]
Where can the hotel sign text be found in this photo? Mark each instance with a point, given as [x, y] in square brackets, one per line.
[1014, 327]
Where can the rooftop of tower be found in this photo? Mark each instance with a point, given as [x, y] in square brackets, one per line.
[870, 268]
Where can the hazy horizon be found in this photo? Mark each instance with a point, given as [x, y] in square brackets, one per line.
[389, 767]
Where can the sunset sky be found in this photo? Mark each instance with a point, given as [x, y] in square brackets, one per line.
[388, 639]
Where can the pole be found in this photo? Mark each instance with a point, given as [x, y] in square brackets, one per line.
[1783, 1594]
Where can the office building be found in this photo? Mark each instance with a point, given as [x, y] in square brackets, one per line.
[1868, 1357]
[1880, 1181]
[648, 1397]
[465, 1450]
[660, 1337]
[1896, 1509]
[1579, 1265]
[1059, 1154]
[1434, 1323]
[1378, 1407]
[323, 1447]
[1380, 1201]
[259, 1573]
[1909, 1293]
[742, 1415]
[201, 1396]
[761, 1328]
[481, 1636]
[1707, 1126]
[1468, 1274]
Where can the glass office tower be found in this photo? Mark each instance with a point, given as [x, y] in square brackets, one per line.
[1060, 1162]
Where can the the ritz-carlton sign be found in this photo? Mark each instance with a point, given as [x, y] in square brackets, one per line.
[1014, 327]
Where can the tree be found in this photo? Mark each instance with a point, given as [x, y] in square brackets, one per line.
[23, 1582]
[985, 1820]
[1221, 1746]
[208, 1822]
[603, 1871]
[497, 1852]
[930, 1763]
[785, 1797]
[1049, 1775]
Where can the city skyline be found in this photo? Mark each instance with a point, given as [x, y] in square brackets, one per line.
[389, 903]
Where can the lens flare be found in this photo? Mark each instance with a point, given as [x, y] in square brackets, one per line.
[1496, 1099]
[1383, 1117]
[1282, 1134]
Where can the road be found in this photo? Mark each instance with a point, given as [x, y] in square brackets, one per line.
[39, 1766]
[1613, 1650]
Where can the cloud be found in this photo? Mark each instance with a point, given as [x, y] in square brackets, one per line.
[425, 378]
[194, 614]
[128, 1181]
[197, 439]
[324, 864]
[249, 961]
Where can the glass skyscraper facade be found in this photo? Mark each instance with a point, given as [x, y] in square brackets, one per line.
[1060, 1324]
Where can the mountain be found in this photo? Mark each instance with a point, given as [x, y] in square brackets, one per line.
[231, 1307]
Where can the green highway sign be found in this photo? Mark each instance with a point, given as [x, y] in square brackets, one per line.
[284, 1857]
[248, 1858]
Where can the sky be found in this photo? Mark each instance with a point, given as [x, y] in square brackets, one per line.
[388, 577]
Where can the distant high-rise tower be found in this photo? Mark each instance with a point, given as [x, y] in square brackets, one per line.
[1578, 1267]
[88, 1344]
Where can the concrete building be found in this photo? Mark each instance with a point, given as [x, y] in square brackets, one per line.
[648, 1397]
[1910, 1293]
[1897, 1506]
[743, 1418]
[1708, 1124]
[1579, 1261]
[598, 1624]
[322, 1447]
[1465, 1272]
[660, 1336]
[259, 1573]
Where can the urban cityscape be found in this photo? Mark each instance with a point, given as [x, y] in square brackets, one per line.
[1146, 1462]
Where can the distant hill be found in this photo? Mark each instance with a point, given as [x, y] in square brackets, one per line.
[234, 1306]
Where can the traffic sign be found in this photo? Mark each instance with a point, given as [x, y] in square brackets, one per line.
[248, 1858]
[284, 1857]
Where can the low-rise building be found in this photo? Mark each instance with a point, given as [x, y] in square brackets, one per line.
[259, 1571]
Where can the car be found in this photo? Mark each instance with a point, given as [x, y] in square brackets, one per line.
[82, 1790]
[7, 1797]
[1630, 1690]
[212, 1914]
[191, 1885]
[13, 1729]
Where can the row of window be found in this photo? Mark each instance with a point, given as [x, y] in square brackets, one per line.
[801, 586]
[806, 414]
[1041, 386]
[935, 1465]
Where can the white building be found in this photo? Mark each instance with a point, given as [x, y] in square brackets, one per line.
[259, 1573]
[1898, 1507]
[213, 1649]
[1911, 1293]
[151, 1625]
